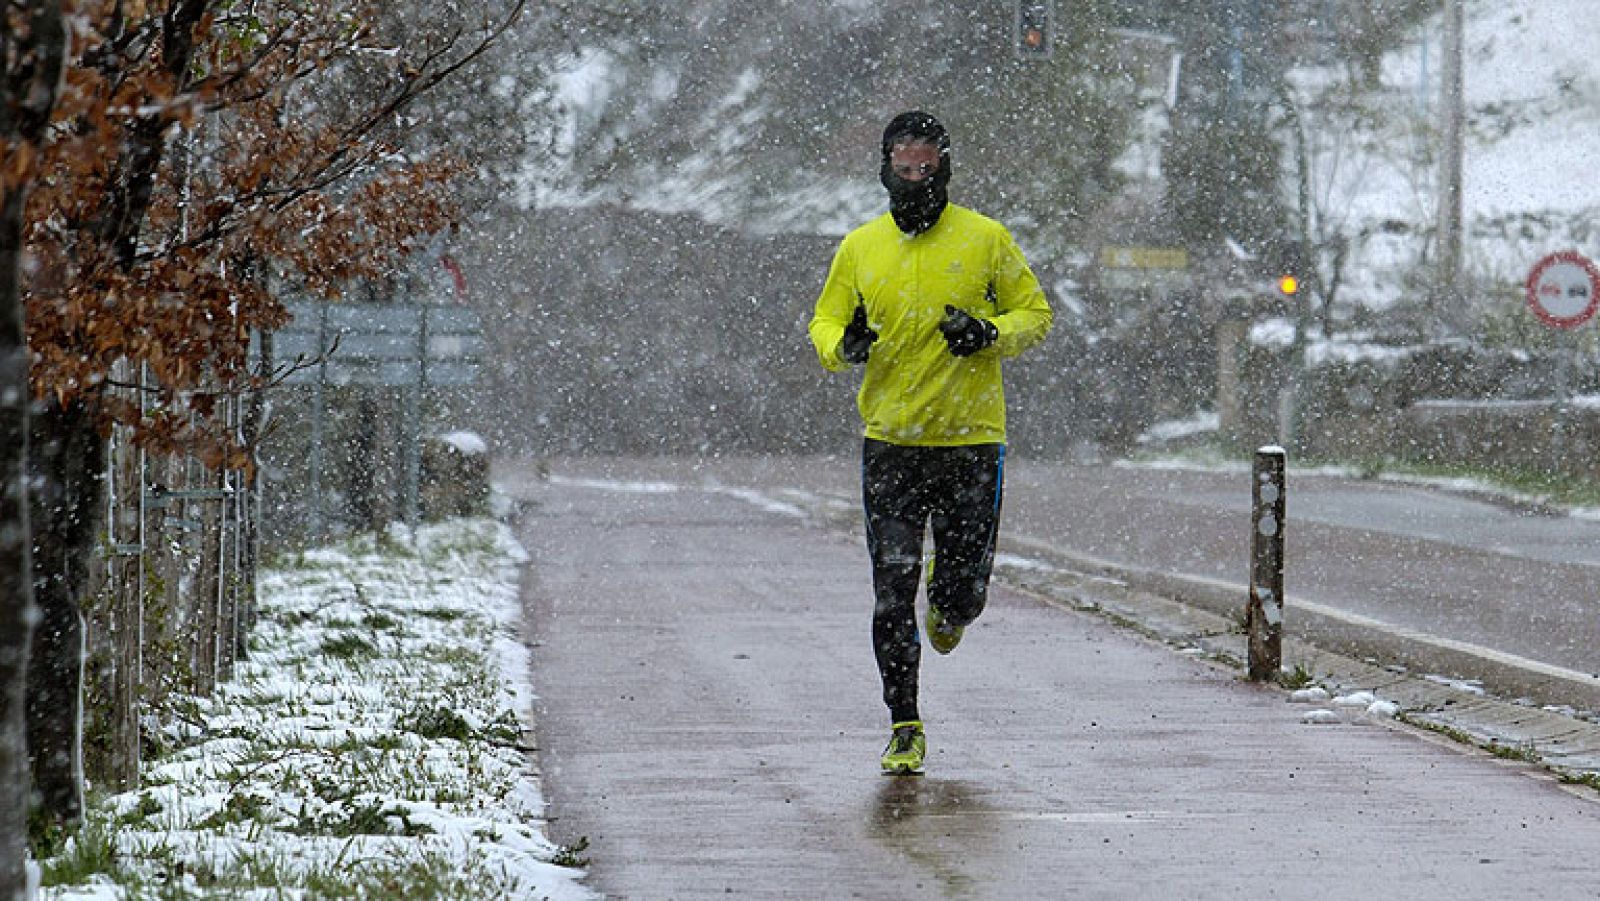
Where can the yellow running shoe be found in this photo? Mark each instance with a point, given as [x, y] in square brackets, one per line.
[942, 636]
[907, 747]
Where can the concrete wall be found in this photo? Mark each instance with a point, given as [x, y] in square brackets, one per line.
[1430, 404]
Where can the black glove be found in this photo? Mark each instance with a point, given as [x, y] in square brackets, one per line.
[965, 334]
[858, 338]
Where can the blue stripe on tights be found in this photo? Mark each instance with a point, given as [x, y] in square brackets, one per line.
[999, 475]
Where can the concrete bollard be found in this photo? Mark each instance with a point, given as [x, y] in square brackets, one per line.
[1264, 616]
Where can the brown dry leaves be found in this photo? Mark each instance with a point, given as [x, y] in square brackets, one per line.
[251, 173]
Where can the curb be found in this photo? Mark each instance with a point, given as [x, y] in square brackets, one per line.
[1344, 653]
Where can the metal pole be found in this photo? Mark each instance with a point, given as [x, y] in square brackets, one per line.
[1567, 351]
[1422, 79]
[134, 659]
[1264, 616]
[1451, 103]
[319, 410]
[413, 422]
[1310, 276]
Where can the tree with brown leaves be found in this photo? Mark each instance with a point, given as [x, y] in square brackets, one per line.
[198, 146]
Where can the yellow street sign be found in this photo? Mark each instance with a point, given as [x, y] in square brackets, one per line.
[1144, 258]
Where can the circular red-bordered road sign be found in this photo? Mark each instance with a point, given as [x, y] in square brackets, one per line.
[1564, 289]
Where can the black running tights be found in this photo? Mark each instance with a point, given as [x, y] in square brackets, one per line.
[956, 491]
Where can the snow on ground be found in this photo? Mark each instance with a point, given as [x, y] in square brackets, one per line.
[469, 444]
[1358, 706]
[1204, 422]
[1531, 84]
[1532, 97]
[374, 744]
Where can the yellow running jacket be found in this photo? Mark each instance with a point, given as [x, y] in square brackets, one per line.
[914, 391]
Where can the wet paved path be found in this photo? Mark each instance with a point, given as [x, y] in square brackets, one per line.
[710, 721]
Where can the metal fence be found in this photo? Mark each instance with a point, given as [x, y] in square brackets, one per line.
[173, 587]
[173, 590]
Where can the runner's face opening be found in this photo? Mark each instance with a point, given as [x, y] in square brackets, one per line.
[914, 160]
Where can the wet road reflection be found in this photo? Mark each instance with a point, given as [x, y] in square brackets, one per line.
[936, 824]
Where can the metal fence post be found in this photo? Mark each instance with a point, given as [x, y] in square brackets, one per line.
[1264, 616]
[319, 411]
[123, 617]
[411, 487]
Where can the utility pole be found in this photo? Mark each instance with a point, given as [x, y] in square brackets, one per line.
[1303, 274]
[1448, 282]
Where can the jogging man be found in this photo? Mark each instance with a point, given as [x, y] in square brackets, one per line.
[930, 297]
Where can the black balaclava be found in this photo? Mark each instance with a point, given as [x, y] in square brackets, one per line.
[916, 205]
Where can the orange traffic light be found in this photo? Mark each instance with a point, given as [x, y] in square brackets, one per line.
[1288, 285]
[1033, 29]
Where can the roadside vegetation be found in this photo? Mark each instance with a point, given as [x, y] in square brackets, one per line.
[1511, 482]
[372, 745]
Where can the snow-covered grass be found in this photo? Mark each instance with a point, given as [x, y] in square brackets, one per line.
[372, 746]
[1571, 495]
[1160, 434]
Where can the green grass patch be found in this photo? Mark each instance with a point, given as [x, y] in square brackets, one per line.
[433, 876]
[456, 659]
[572, 855]
[240, 807]
[147, 807]
[1295, 679]
[1523, 751]
[90, 852]
[1545, 485]
[436, 722]
[380, 622]
[372, 818]
[349, 646]
[1592, 780]
[1450, 732]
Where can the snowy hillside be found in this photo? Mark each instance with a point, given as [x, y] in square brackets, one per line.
[1532, 81]
[765, 117]
[1532, 84]
[587, 90]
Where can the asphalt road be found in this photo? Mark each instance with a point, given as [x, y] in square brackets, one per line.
[1463, 570]
[710, 721]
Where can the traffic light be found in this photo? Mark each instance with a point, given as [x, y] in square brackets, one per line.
[1292, 260]
[1033, 29]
